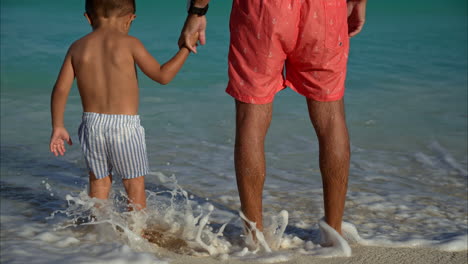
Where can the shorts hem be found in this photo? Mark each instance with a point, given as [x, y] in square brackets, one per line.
[138, 175]
[324, 98]
[314, 97]
[126, 177]
[98, 177]
[249, 99]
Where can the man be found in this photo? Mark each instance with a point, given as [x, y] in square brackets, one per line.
[308, 40]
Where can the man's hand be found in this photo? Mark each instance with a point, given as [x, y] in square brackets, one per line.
[356, 16]
[194, 24]
[193, 39]
[56, 141]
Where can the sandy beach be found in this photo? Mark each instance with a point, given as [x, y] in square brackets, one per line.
[361, 254]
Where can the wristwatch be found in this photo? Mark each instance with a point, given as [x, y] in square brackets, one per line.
[196, 10]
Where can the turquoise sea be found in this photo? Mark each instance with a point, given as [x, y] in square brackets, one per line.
[406, 104]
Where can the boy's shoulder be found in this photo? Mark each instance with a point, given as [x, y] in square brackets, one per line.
[134, 41]
[89, 38]
[77, 44]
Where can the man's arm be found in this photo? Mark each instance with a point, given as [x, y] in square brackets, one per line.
[200, 3]
[162, 74]
[194, 24]
[57, 105]
[356, 16]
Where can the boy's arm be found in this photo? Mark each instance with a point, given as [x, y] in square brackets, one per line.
[57, 105]
[162, 74]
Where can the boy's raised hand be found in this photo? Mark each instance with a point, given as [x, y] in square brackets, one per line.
[56, 141]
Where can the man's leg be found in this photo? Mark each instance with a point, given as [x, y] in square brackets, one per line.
[99, 188]
[252, 122]
[329, 122]
[135, 189]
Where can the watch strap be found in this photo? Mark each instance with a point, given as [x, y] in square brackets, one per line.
[197, 10]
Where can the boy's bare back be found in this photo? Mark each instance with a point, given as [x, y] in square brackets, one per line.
[104, 66]
[105, 72]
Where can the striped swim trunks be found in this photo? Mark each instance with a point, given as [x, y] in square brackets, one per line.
[113, 144]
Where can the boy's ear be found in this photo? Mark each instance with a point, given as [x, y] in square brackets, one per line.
[131, 17]
[88, 18]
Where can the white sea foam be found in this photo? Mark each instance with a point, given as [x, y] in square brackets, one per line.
[31, 242]
[458, 243]
[175, 221]
[92, 231]
[177, 215]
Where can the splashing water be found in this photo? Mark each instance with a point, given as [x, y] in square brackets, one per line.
[175, 221]
[178, 222]
[169, 221]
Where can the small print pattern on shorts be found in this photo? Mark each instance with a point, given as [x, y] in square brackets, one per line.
[113, 144]
[302, 44]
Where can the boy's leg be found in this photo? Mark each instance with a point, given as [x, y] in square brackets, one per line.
[99, 188]
[135, 189]
[329, 122]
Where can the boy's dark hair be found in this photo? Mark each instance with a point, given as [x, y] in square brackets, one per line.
[109, 8]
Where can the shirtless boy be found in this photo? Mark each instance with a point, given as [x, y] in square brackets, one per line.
[103, 63]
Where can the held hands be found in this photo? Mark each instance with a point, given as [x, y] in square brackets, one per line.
[193, 39]
[356, 16]
[194, 26]
[57, 145]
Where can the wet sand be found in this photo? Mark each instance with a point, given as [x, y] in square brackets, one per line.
[361, 254]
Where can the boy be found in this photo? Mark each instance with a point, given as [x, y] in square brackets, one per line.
[103, 63]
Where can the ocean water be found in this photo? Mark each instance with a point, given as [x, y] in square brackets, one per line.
[406, 104]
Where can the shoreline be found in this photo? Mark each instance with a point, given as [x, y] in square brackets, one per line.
[360, 255]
